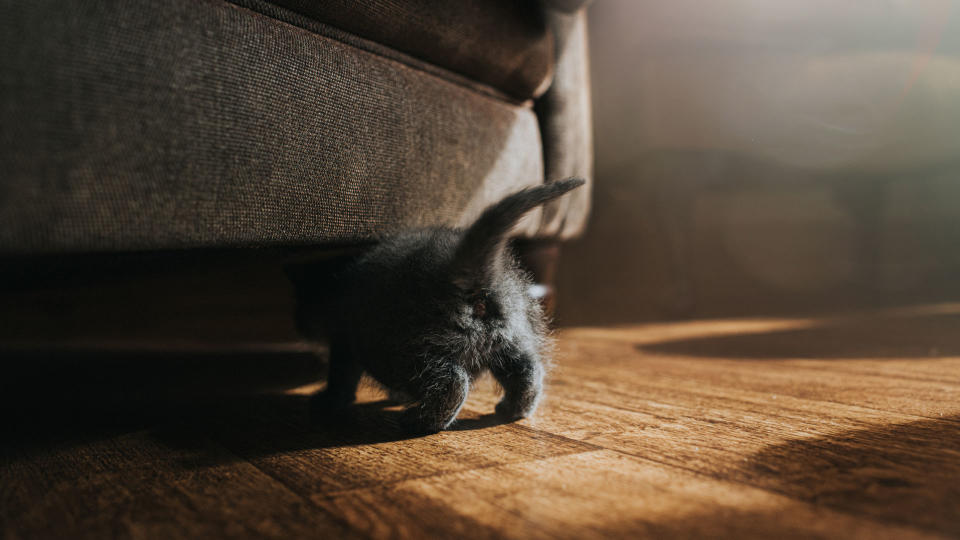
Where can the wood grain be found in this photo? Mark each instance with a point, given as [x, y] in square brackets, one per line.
[135, 486]
[603, 494]
[834, 427]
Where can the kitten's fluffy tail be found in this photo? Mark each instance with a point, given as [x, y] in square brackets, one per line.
[485, 240]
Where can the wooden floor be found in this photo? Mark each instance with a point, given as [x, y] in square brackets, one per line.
[840, 427]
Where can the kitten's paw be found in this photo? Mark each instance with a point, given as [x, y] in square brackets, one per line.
[510, 410]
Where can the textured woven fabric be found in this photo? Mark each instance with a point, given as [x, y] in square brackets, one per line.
[503, 43]
[566, 126]
[136, 125]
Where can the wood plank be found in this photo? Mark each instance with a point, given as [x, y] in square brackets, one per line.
[601, 494]
[135, 485]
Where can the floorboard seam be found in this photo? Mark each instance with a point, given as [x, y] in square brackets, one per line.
[786, 408]
[304, 497]
[592, 448]
[880, 375]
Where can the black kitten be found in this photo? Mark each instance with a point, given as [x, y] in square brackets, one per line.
[425, 312]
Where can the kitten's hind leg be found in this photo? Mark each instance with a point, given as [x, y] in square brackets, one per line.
[521, 376]
[342, 381]
[444, 392]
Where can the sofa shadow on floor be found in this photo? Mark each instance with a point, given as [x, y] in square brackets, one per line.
[900, 473]
[894, 336]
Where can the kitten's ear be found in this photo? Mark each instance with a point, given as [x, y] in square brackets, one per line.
[479, 256]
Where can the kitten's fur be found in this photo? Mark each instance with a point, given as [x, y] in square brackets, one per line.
[425, 312]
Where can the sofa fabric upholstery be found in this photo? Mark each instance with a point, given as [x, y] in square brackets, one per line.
[566, 125]
[131, 125]
[502, 43]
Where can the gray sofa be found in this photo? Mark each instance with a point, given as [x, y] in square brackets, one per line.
[134, 126]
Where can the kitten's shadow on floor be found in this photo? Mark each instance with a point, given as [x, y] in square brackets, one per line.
[260, 426]
[186, 402]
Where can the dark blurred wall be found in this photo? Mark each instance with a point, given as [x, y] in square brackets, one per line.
[769, 157]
